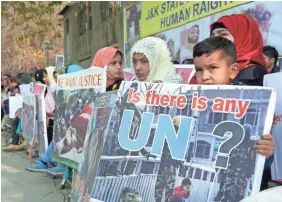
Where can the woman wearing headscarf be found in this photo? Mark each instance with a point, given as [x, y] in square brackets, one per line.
[244, 32]
[42, 77]
[152, 63]
[51, 80]
[111, 59]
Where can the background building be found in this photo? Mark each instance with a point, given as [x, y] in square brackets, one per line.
[89, 26]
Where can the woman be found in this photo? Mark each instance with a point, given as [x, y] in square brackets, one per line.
[245, 34]
[51, 80]
[152, 63]
[42, 77]
[111, 59]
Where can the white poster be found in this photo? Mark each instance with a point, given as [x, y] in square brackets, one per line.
[274, 81]
[175, 142]
[15, 103]
[41, 140]
[75, 96]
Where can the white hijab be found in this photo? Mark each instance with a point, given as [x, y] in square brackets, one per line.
[52, 86]
[157, 53]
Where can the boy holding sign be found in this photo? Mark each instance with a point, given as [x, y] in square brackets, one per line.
[216, 64]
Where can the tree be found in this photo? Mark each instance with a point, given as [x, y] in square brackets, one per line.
[25, 26]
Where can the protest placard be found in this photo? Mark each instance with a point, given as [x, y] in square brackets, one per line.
[274, 81]
[28, 112]
[75, 96]
[172, 142]
[186, 72]
[41, 141]
[15, 103]
[102, 111]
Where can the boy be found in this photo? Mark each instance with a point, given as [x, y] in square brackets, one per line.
[215, 64]
[181, 193]
[215, 61]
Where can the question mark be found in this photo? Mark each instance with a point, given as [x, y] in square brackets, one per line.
[237, 133]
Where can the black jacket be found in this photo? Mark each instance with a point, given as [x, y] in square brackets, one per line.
[251, 76]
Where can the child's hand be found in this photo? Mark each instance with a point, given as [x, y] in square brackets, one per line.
[265, 146]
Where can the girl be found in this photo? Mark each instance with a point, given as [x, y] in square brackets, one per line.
[111, 59]
[152, 63]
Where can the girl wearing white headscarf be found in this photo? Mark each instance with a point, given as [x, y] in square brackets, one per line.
[152, 62]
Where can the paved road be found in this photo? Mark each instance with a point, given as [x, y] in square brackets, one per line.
[19, 185]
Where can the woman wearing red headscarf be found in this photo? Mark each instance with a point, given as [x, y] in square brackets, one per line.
[244, 32]
[110, 58]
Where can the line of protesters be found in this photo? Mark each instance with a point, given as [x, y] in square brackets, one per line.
[233, 55]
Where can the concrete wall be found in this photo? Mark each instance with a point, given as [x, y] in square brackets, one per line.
[106, 31]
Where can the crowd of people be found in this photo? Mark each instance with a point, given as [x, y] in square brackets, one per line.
[233, 55]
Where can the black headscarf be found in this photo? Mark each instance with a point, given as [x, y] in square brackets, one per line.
[39, 74]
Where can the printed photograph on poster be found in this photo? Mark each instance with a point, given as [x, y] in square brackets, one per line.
[149, 155]
[186, 71]
[93, 145]
[127, 60]
[133, 22]
[28, 116]
[41, 140]
[274, 81]
[72, 114]
[189, 38]
[268, 16]
[128, 74]
[172, 45]
[75, 96]
[182, 39]
[60, 61]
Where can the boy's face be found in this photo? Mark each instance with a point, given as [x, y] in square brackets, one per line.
[214, 69]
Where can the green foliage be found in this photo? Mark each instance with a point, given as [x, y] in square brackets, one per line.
[34, 16]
